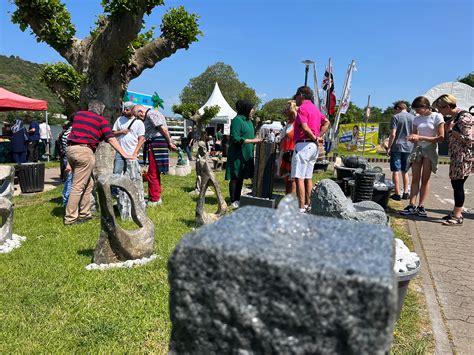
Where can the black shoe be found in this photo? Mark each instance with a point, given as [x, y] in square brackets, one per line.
[408, 210]
[405, 196]
[396, 197]
[420, 211]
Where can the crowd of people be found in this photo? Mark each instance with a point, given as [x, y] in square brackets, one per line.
[26, 141]
[413, 143]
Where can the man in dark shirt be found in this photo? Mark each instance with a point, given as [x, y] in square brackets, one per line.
[33, 139]
[88, 128]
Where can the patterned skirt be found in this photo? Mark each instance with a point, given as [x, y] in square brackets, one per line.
[160, 149]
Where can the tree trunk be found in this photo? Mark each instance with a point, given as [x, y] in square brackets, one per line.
[108, 87]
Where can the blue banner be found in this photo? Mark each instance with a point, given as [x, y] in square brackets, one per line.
[140, 99]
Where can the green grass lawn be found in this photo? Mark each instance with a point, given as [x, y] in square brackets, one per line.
[50, 303]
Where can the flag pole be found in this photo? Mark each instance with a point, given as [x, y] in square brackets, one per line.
[339, 108]
[367, 114]
[316, 87]
[328, 91]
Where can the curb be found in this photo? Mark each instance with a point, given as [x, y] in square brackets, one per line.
[381, 160]
[441, 333]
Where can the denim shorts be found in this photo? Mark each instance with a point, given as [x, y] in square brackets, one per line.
[399, 161]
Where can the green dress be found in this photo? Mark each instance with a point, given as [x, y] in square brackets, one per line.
[240, 163]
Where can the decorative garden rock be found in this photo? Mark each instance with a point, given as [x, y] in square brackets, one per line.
[7, 175]
[6, 219]
[207, 179]
[264, 281]
[115, 243]
[133, 171]
[327, 199]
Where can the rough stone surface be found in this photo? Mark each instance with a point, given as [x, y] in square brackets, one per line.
[133, 171]
[6, 220]
[115, 243]
[207, 179]
[7, 174]
[327, 199]
[254, 283]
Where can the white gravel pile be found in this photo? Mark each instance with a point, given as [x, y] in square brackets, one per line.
[122, 264]
[405, 260]
[11, 244]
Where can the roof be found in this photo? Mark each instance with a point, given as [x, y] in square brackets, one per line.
[216, 98]
[10, 101]
[464, 93]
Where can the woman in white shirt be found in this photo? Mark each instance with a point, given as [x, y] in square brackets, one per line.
[428, 131]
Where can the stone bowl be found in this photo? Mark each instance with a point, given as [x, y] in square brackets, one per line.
[404, 279]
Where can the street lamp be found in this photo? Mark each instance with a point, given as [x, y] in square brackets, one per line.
[307, 63]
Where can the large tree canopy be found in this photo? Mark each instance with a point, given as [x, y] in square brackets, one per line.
[199, 88]
[275, 110]
[114, 53]
[468, 79]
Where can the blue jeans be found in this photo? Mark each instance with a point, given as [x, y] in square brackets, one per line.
[119, 164]
[67, 188]
[189, 152]
[67, 183]
[399, 161]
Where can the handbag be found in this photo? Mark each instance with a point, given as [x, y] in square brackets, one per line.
[287, 156]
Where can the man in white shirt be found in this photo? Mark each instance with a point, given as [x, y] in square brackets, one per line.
[45, 136]
[130, 132]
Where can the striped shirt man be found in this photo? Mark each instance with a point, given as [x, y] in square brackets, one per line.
[89, 128]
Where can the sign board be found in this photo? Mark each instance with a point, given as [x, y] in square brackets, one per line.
[351, 137]
[140, 99]
[226, 129]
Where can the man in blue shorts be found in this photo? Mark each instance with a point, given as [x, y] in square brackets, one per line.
[399, 148]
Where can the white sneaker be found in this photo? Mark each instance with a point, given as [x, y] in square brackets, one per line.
[235, 204]
[154, 203]
[302, 210]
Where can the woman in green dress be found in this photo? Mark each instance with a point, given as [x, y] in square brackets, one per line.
[240, 160]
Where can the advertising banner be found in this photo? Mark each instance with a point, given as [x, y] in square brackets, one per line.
[351, 137]
[140, 99]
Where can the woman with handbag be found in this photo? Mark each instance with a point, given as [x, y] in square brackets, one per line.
[287, 147]
[459, 132]
[428, 131]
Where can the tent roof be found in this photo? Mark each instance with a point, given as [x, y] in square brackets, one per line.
[464, 93]
[10, 101]
[216, 98]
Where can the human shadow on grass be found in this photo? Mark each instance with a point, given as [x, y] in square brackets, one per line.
[58, 211]
[57, 200]
[86, 252]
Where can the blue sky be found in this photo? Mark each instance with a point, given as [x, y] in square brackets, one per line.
[401, 47]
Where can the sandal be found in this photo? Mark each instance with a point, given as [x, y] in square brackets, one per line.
[453, 222]
[448, 217]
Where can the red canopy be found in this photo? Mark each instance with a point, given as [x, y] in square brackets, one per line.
[10, 101]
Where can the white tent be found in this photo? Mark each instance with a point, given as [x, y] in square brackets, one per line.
[464, 93]
[226, 113]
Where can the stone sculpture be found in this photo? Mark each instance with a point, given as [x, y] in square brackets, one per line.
[7, 175]
[327, 199]
[207, 179]
[115, 243]
[282, 282]
[133, 171]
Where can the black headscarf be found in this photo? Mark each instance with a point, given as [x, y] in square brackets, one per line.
[244, 107]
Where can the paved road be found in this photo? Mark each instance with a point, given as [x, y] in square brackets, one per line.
[447, 255]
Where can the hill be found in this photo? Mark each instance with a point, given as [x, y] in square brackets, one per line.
[22, 77]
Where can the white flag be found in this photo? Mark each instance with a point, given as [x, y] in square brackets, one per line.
[346, 96]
